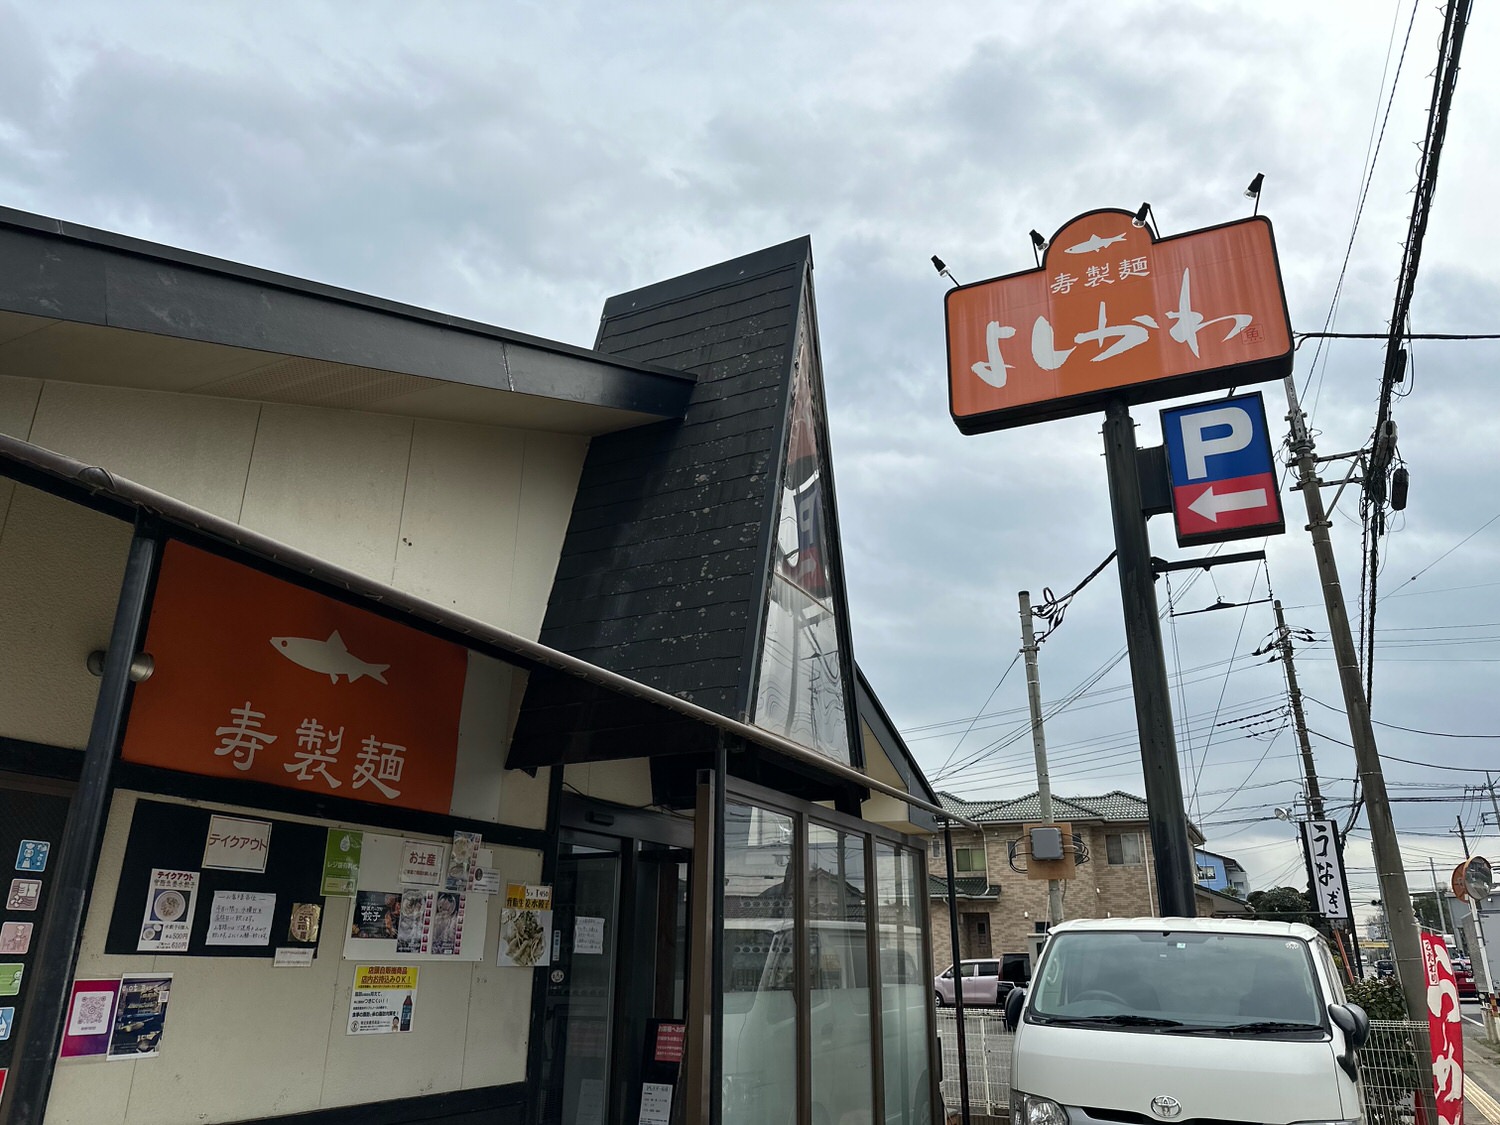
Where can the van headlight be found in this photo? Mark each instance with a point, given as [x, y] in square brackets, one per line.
[1028, 1109]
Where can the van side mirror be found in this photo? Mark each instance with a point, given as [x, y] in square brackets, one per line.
[1352, 1021]
[1015, 1000]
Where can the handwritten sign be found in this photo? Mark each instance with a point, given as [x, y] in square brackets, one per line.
[237, 845]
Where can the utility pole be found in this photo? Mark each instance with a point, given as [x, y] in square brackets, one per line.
[1437, 891]
[1406, 945]
[1299, 720]
[1490, 785]
[1309, 771]
[1039, 745]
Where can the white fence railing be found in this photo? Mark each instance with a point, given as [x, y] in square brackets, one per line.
[988, 1044]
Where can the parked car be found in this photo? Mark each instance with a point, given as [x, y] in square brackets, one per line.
[1169, 1016]
[1463, 972]
[982, 983]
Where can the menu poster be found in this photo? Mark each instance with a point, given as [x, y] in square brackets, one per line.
[91, 1014]
[526, 925]
[140, 1017]
[432, 922]
[168, 924]
[377, 915]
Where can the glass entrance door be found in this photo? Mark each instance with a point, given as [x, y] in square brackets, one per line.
[619, 967]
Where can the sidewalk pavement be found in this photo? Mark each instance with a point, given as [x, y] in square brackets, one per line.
[1481, 1072]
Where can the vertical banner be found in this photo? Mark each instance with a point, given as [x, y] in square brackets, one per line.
[1325, 868]
[1445, 1027]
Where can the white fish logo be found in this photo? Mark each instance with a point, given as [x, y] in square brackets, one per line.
[331, 658]
[1094, 245]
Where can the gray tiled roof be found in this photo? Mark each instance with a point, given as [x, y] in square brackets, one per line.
[1115, 805]
[964, 886]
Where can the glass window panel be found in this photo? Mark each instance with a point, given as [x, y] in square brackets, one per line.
[760, 972]
[801, 686]
[903, 989]
[838, 956]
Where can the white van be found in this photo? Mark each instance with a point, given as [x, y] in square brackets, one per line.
[1162, 1019]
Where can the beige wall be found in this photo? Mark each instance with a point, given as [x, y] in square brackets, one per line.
[469, 517]
[1098, 890]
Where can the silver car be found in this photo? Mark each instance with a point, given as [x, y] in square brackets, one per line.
[981, 983]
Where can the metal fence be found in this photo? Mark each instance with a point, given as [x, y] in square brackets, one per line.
[1388, 1069]
[1390, 1073]
[988, 1044]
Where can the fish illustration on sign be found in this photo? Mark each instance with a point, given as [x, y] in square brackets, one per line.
[331, 658]
[1093, 245]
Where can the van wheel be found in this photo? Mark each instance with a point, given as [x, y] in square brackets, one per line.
[938, 996]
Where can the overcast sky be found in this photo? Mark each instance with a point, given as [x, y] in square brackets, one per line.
[517, 163]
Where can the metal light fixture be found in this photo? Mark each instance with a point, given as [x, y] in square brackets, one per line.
[1142, 216]
[1253, 191]
[1038, 244]
[941, 267]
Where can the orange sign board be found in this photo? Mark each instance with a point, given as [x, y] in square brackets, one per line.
[1114, 312]
[260, 679]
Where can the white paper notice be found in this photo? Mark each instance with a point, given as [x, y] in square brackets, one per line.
[588, 935]
[168, 923]
[656, 1103]
[292, 957]
[590, 1101]
[422, 863]
[240, 918]
[237, 845]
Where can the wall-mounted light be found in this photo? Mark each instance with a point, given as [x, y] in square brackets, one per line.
[1142, 215]
[141, 665]
[1038, 244]
[938, 264]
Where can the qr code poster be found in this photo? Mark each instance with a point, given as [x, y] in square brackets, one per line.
[91, 1014]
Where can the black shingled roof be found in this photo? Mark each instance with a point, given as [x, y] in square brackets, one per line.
[664, 569]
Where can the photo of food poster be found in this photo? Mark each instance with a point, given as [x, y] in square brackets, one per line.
[436, 926]
[377, 915]
[526, 926]
[462, 857]
[168, 923]
[140, 1021]
[91, 1015]
[415, 910]
[383, 999]
[341, 861]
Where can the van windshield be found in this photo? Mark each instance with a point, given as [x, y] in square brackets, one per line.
[1179, 981]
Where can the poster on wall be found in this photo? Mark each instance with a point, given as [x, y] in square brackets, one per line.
[526, 926]
[376, 915]
[140, 1021]
[484, 879]
[240, 918]
[10, 977]
[15, 937]
[656, 1103]
[341, 861]
[91, 1015]
[462, 857]
[383, 999]
[168, 924]
[24, 894]
[392, 921]
[422, 863]
[588, 935]
[431, 922]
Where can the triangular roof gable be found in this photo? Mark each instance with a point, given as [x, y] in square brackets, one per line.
[666, 567]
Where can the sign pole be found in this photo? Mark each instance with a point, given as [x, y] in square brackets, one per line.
[1171, 849]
